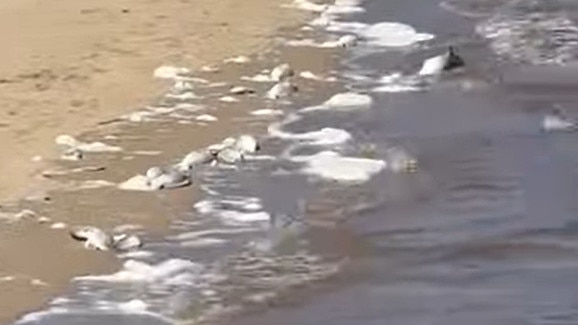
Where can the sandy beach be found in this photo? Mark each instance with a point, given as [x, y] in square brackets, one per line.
[68, 64]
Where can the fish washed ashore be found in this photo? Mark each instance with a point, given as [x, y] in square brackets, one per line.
[72, 66]
[69, 65]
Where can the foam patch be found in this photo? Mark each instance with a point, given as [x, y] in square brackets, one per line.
[311, 76]
[169, 72]
[267, 112]
[330, 165]
[71, 142]
[206, 118]
[397, 83]
[383, 34]
[136, 183]
[169, 272]
[349, 100]
[322, 137]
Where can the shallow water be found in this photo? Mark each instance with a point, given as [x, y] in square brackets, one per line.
[482, 231]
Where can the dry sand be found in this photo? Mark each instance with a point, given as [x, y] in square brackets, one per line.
[68, 64]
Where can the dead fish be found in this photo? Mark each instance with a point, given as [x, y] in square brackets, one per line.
[230, 156]
[98, 239]
[73, 154]
[195, 158]
[281, 90]
[236, 150]
[247, 144]
[240, 90]
[167, 178]
[443, 62]
[347, 41]
[281, 72]
[124, 242]
[93, 238]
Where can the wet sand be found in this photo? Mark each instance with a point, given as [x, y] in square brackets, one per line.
[77, 64]
[72, 64]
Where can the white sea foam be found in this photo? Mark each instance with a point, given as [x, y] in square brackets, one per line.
[169, 72]
[58, 225]
[169, 272]
[139, 116]
[238, 59]
[228, 99]
[344, 7]
[258, 78]
[396, 82]
[71, 142]
[383, 34]
[206, 118]
[203, 242]
[331, 165]
[344, 41]
[558, 123]
[307, 5]
[192, 235]
[322, 137]
[536, 38]
[349, 100]
[311, 76]
[136, 254]
[267, 112]
[185, 95]
[238, 210]
[394, 35]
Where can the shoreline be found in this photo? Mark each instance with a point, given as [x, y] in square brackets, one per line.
[38, 261]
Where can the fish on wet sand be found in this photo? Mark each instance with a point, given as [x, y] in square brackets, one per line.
[159, 178]
[97, 239]
[281, 90]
